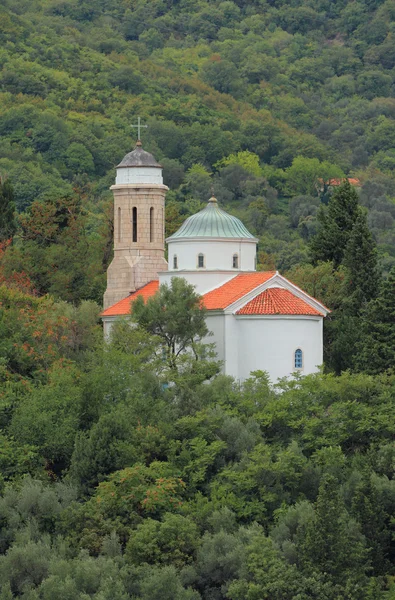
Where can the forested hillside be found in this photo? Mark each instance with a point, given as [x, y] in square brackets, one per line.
[306, 87]
[128, 473]
[116, 485]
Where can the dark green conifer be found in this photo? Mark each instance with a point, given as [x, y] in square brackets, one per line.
[336, 224]
[367, 508]
[333, 542]
[7, 210]
[360, 258]
[377, 348]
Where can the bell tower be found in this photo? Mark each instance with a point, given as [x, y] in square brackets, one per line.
[139, 225]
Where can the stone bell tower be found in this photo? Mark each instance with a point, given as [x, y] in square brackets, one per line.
[139, 225]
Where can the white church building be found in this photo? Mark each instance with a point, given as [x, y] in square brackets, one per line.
[259, 319]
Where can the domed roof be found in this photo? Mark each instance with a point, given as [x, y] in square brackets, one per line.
[212, 222]
[139, 158]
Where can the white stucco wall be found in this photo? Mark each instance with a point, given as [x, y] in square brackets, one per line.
[218, 254]
[108, 322]
[139, 175]
[216, 325]
[245, 344]
[269, 344]
[232, 347]
[202, 280]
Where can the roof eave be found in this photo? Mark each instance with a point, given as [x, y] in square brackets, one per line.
[200, 238]
[121, 166]
[113, 317]
[278, 316]
[304, 295]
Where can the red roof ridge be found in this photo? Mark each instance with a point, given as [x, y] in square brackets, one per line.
[224, 295]
[234, 289]
[305, 293]
[278, 301]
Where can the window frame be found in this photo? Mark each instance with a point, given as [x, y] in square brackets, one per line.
[235, 259]
[119, 224]
[151, 225]
[201, 256]
[298, 353]
[175, 262]
[134, 225]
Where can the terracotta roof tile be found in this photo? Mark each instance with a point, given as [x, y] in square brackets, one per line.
[352, 180]
[235, 289]
[277, 301]
[270, 302]
[122, 307]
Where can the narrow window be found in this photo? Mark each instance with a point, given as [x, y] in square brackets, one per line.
[151, 224]
[119, 223]
[235, 262]
[134, 224]
[175, 262]
[298, 359]
[201, 261]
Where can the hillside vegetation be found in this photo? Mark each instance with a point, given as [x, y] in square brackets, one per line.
[129, 473]
[306, 87]
[116, 485]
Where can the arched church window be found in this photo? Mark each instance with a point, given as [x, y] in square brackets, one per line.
[201, 261]
[134, 224]
[119, 223]
[151, 224]
[235, 261]
[175, 262]
[298, 359]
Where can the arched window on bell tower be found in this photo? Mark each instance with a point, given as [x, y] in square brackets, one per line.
[134, 224]
[119, 224]
[151, 224]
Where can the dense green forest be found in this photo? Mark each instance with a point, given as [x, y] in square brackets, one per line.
[126, 473]
[116, 485]
[306, 87]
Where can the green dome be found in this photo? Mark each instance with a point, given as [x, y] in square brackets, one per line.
[212, 222]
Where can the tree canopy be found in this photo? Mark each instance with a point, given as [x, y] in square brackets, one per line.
[132, 468]
[175, 315]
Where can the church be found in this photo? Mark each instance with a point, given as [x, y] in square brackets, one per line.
[259, 319]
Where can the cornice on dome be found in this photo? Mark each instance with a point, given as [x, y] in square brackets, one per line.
[212, 222]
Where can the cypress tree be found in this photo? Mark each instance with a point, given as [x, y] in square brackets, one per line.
[333, 543]
[336, 223]
[341, 336]
[376, 351]
[7, 211]
[367, 508]
[360, 258]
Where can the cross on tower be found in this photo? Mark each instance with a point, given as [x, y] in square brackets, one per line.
[139, 126]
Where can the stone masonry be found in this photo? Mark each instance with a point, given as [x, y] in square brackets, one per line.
[135, 263]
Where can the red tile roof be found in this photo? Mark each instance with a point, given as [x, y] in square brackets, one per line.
[351, 180]
[272, 301]
[122, 307]
[277, 301]
[235, 289]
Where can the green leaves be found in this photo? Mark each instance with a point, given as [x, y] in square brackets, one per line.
[308, 175]
[377, 344]
[8, 224]
[175, 315]
[336, 225]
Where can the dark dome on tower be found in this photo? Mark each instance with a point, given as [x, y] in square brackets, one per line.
[138, 158]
